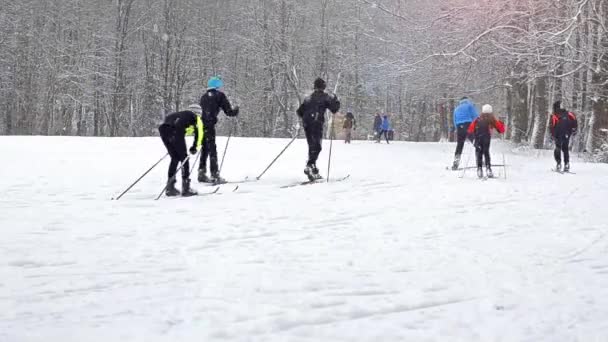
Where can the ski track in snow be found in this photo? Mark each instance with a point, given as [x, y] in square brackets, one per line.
[401, 251]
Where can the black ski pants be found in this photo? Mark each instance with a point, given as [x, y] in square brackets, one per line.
[314, 137]
[482, 150]
[385, 133]
[209, 150]
[461, 136]
[176, 146]
[562, 145]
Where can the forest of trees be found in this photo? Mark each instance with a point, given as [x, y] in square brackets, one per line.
[115, 68]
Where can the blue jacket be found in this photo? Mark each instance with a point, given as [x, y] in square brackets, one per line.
[386, 125]
[465, 112]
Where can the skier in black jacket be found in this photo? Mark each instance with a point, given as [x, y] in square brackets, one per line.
[312, 113]
[172, 132]
[563, 127]
[211, 102]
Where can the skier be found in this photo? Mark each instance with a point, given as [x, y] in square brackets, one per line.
[349, 125]
[172, 132]
[377, 126]
[312, 112]
[563, 126]
[211, 102]
[464, 114]
[480, 130]
[384, 128]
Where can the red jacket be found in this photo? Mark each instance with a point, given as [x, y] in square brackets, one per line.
[563, 123]
[473, 128]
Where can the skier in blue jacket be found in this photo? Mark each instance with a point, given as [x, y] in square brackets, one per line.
[385, 126]
[464, 114]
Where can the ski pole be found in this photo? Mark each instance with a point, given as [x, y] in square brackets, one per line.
[331, 141]
[141, 177]
[277, 157]
[226, 148]
[172, 178]
[196, 160]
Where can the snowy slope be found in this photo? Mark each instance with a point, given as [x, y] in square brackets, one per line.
[402, 251]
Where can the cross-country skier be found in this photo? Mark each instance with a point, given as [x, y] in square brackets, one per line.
[377, 126]
[480, 130]
[563, 126]
[312, 112]
[211, 102]
[385, 126]
[172, 133]
[349, 125]
[464, 114]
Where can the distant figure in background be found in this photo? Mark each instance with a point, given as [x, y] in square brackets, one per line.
[480, 131]
[349, 125]
[312, 112]
[173, 134]
[212, 101]
[385, 126]
[563, 126]
[377, 126]
[464, 114]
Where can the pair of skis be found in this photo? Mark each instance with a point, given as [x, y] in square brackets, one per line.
[316, 181]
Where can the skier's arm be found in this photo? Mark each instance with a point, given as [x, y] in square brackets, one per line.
[227, 107]
[574, 123]
[500, 126]
[333, 103]
[198, 133]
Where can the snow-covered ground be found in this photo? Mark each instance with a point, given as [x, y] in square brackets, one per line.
[402, 251]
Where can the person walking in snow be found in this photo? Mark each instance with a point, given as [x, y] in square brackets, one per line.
[172, 132]
[377, 126]
[350, 124]
[211, 102]
[464, 114]
[480, 131]
[312, 112]
[385, 126]
[563, 127]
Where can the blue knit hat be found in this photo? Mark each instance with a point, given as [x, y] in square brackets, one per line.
[215, 83]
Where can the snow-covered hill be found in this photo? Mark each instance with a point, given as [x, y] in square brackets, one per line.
[402, 251]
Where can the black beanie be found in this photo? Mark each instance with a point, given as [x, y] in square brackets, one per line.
[557, 106]
[320, 84]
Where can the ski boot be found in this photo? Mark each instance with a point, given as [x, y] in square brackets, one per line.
[315, 173]
[186, 190]
[216, 179]
[456, 162]
[489, 172]
[480, 172]
[202, 177]
[558, 167]
[171, 191]
[567, 167]
[312, 172]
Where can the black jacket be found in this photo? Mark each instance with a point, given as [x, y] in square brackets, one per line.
[312, 110]
[186, 120]
[211, 102]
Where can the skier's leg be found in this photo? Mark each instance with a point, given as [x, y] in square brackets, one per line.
[478, 153]
[557, 153]
[386, 135]
[205, 152]
[167, 135]
[566, 150]
[461, 135]
[212, 151]
[486, 151]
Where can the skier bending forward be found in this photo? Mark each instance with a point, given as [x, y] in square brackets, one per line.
[173, 132]
[312, 113]
[480, 131]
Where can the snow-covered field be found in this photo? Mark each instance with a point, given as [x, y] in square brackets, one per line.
[402, 251]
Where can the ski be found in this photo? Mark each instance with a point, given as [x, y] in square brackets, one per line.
[316, 181]
[563, 172]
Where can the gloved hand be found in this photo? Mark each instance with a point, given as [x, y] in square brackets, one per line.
[235, 110]
[193, 150]
[574, 131]
[452, 129]
[471, 138]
